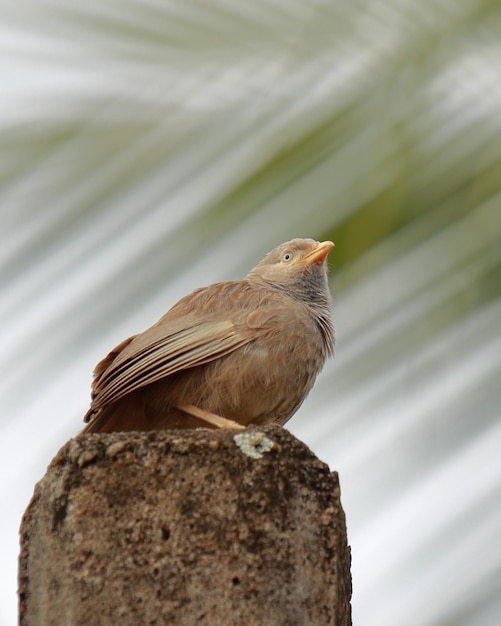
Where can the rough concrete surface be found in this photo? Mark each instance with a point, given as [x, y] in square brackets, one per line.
[185, 527]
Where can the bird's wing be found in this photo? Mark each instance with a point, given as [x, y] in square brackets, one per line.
[160, 352]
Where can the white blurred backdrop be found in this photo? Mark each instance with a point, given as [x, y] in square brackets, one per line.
[149, 148]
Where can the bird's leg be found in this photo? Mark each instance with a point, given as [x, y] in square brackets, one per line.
[211, 418]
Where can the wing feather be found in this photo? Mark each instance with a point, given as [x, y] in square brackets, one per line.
[154, 355]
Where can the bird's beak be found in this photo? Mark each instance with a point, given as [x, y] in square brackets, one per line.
[319, 253]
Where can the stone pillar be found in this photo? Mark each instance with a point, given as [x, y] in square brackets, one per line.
[187, 527]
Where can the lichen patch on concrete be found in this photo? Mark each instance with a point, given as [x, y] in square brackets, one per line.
[254, 444]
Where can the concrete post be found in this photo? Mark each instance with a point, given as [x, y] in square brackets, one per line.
[185, 527]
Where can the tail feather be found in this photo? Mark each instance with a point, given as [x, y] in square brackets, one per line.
[96, 421]
[121, 417]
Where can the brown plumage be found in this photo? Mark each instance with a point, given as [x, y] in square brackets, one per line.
[248, 351]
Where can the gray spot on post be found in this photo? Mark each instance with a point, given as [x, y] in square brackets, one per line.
[254, 444]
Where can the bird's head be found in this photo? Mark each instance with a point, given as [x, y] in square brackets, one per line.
[298, 267]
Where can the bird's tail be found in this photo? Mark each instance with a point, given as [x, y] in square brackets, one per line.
[97, 421]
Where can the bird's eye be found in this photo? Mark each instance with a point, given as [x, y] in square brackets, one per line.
[287, 257]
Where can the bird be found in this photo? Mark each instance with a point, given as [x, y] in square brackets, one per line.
[225, 356]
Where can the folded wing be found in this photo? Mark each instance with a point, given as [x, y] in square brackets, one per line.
[160, 352]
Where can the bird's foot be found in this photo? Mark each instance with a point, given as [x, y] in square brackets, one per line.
[210, 418]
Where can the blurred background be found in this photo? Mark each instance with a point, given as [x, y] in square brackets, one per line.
[149, 148]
